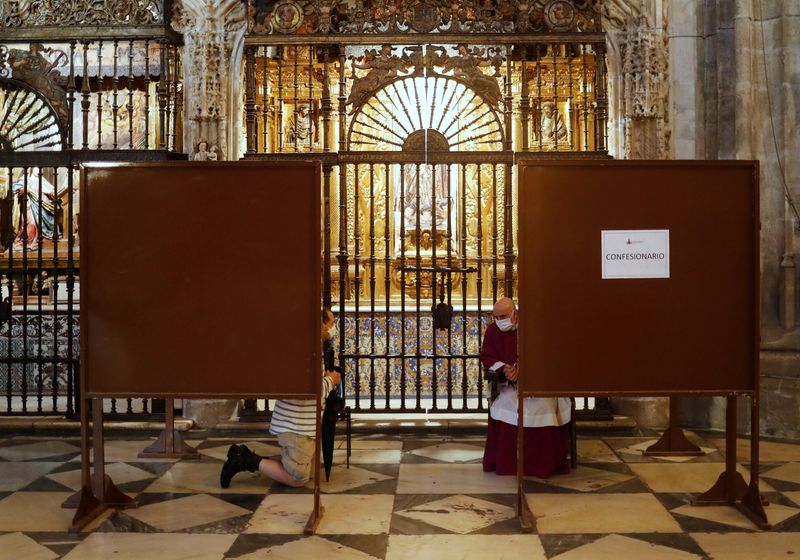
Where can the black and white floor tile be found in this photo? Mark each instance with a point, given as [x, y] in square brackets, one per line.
[403, 497]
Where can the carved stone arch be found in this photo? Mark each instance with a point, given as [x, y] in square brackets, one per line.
[28, 120]
[417, 113]
[637, 60]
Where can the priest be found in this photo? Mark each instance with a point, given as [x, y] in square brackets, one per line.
[545, 420]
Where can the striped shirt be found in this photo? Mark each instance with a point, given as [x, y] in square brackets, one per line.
[298, 415]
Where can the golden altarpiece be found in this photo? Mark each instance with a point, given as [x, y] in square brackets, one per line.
[418, 111]
[80, 81]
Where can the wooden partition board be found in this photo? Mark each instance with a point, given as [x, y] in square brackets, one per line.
[201, 280]
[695, 332]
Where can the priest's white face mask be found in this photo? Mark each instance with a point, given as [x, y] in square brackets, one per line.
[506, 322]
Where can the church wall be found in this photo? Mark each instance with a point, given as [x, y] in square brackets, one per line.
[717, 106]
[742, 81]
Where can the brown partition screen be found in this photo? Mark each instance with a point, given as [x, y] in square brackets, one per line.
[200, 280]
[691, 331]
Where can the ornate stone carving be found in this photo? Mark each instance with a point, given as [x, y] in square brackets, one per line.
[640, 56]
[423, 16]
[210, 30]
[618, 14]
[645, 93]
[31, 13]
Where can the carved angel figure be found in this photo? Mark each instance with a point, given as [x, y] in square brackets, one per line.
[382, 67]
[467, 66]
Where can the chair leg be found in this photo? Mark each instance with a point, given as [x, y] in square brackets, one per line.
[348, 435]
[573, 437]
[573, 445]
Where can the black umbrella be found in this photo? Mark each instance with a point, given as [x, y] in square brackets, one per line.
[333, 406]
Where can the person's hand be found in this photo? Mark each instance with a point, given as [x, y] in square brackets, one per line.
[334, 375]
[511, 372]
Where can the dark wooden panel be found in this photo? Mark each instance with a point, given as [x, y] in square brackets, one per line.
[694, 332]
[200, 280]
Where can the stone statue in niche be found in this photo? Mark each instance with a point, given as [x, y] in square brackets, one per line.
[203, 152]
[301, 126]
[552, 129]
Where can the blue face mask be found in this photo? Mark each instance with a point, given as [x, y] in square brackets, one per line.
[504, 325]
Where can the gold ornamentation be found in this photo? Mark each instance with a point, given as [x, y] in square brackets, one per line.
[286, 16]
[376, 17]
[466, 67]
[426, 140]
[80, 12]
[383, 67]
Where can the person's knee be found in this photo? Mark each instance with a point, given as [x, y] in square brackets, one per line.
[297, 483]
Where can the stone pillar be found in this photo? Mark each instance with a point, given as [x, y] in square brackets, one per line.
[638, 62]
[685, 36]
[213, 33]
[751, 88]
[209, 413]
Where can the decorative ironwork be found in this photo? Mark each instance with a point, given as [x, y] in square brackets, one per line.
[427, 114]
[27, 120]
[438, 102]
[39, 67]
[421, 16]
[383, 67]
[465, 67]
[64, 13]
[422, 177]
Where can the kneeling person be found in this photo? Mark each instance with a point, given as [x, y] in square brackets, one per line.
[294, 422]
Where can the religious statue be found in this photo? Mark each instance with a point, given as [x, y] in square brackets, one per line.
[382, 67]
[552, 130]
[203, 153]
[301, 126]
[35, 214]
[467, 65]
[419, 196]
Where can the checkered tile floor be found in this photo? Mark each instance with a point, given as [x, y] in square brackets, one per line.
[403, 497]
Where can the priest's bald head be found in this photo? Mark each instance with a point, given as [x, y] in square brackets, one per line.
[504, 313]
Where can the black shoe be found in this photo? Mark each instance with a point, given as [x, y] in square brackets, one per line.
[233, 465]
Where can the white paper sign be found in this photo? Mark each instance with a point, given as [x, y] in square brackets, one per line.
[635, 253]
